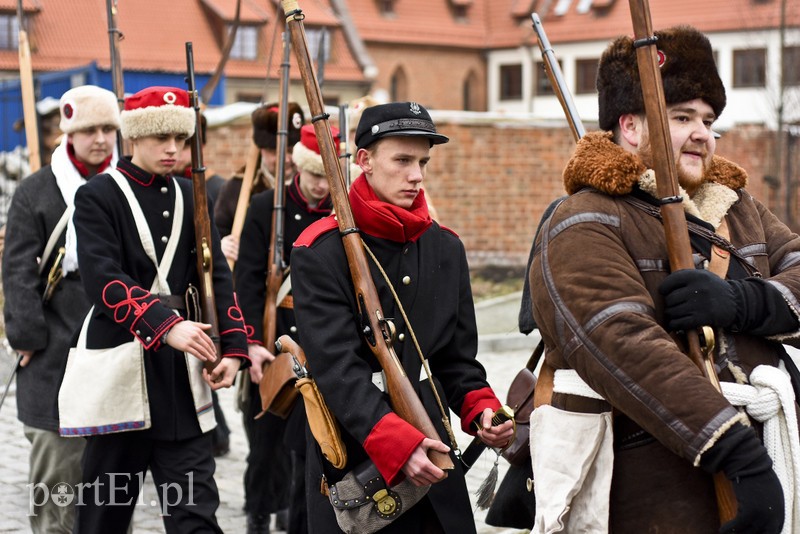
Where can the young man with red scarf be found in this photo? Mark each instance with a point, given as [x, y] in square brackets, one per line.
[41, 329]
[427, 266]
[265, 480]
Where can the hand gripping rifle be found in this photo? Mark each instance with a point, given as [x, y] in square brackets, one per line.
[28, 96]
[375, 328]
[672, 215]
[202, 223]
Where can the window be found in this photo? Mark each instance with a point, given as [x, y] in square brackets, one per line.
[245, 46]
[386, 7]
[750, 68]
[511, 82]
[791, 65]
[9, 32]
[315, 37]
[543, 87]
[398, 86]
[585, 76]
[469, 92]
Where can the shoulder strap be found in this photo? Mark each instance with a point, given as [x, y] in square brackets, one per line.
[160, 283]
[54, 237]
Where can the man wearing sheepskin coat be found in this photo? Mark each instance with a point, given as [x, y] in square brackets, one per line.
[612, 317]
[136, 250]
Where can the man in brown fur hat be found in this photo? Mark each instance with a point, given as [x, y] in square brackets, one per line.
[265, 136]
[609, 311]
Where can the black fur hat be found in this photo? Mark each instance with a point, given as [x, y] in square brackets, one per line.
[265, 125]
[688, 71]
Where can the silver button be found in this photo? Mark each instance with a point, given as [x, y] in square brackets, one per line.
[293, 329]
[406, 280]
[401, 337]
[164, 239]
[165, 215]
[297, 217]
[138, 332]
[148, 339]
[405, 250]
[164, 190]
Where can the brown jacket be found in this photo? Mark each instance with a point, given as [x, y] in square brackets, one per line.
[595, 278]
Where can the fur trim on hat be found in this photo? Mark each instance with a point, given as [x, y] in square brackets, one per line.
[87, 106]
[307, 160]
[688, 71]
[167, 119]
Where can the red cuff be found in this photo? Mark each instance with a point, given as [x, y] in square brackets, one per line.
[390, 445]
[474, 404]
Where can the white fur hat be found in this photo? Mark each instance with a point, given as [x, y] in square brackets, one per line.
[157, 111]
[86, 106]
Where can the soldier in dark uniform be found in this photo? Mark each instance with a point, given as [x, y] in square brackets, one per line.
[118, 275]
[268, 468]
[427, 267]
[265, 136]
[40, 328]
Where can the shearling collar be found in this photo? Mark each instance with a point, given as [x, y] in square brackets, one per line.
[600, 163]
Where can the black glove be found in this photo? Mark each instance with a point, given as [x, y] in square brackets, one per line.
[695, 298]
[744, 460]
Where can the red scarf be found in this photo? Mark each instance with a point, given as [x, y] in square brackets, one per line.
[384, 220]
[82, 169]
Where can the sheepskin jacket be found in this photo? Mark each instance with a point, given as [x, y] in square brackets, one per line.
[599, 261]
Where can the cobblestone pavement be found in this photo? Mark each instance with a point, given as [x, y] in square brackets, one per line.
[502, 355]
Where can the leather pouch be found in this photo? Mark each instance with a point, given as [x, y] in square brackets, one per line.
[323, 425]
[277, 386]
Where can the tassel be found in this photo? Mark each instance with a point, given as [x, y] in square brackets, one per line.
[486, 491]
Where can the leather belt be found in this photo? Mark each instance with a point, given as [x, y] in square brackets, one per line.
[175, 302]
[579, 404]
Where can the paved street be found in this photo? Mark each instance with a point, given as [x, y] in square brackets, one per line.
[503, 352]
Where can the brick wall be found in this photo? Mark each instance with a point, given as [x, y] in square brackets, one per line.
[494, 179]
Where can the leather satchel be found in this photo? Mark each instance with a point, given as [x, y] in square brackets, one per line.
[520, 399]
[277, 386]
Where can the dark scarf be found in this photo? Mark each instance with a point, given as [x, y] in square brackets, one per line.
[384, 220]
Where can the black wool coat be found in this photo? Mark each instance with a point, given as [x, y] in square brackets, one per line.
[117, 275]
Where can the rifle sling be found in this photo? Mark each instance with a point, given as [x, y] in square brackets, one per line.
[714, 238]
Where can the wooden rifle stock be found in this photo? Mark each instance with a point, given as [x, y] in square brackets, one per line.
[674, 221]
[375, 328]
[28, 95]
[202, 222]
[557, 80]
[276, 266]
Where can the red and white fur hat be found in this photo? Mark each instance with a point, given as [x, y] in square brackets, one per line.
[157, 111]
[306, 154]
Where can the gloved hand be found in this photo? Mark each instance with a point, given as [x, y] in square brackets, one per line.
[745, 462]
[696, 297]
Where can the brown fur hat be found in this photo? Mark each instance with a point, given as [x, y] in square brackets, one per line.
[688, 71]
[265, 125]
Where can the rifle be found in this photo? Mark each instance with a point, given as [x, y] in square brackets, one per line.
[117, 81]
[277, 265]
[28, 96]
[344, 129]
[375, 327]
[250, 169]
[672, 215]
[553, 70]
[202, 223]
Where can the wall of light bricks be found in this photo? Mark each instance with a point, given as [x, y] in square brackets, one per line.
[494, 179]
